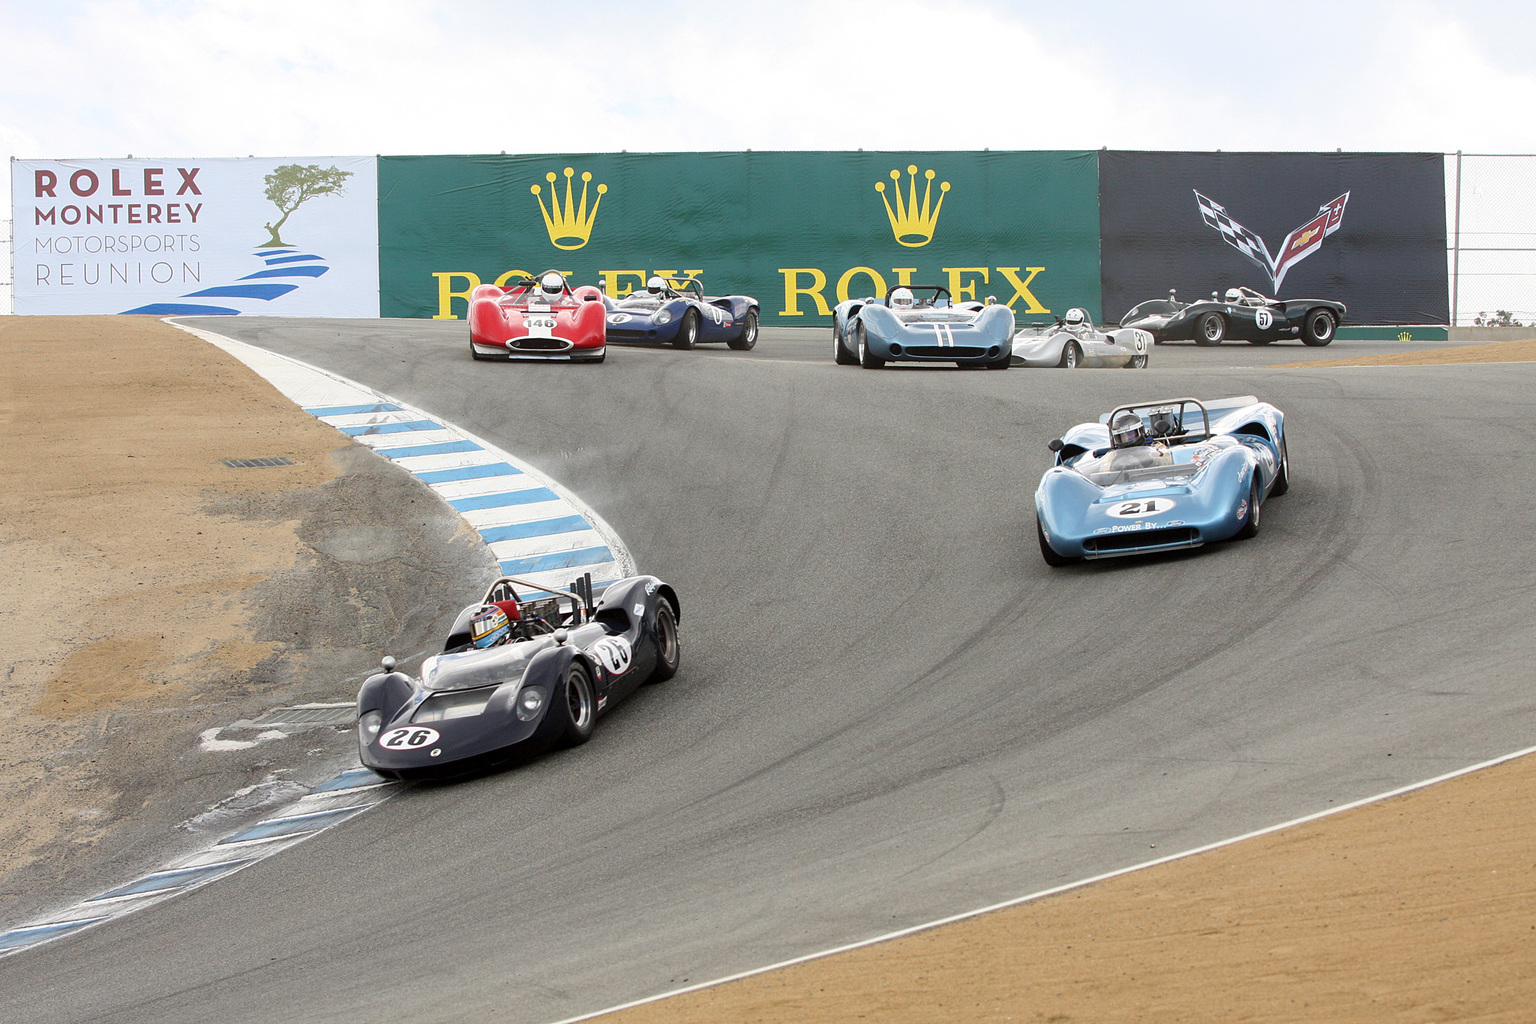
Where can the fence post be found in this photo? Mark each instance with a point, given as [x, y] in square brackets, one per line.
[1456, 253]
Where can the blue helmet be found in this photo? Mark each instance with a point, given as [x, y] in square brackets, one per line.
[489, 627]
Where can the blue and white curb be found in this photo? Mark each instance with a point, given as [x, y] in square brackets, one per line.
[330, 803]
[535, 527]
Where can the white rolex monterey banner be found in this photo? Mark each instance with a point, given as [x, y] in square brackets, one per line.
[277, 236]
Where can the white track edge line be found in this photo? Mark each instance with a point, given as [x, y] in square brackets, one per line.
[610, 536]
[1055, 890]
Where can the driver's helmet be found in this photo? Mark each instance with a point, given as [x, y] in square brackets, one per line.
[489, 627]
[552, 285]
[902, 298]
[656, 286]
[1126, 429]
[1233, 295]
[1076, 318]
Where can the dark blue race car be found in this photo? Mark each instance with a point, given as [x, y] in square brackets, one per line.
[678, 312]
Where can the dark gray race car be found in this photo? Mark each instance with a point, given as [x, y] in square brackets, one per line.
[1243, 315]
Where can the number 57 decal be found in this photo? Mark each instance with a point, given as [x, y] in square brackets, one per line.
[1140, 509]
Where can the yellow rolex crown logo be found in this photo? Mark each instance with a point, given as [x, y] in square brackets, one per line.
[570, 227]
[913, 225]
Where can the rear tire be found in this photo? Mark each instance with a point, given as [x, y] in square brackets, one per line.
[748, 336]
[1318, 328]
[577, 706]
[1047, 552]
[669, 650]
[688, 333]
[1251, 524]
[839, 350]
[1210, 329]
[1070, 356]
[866, 358]
[1138, 362]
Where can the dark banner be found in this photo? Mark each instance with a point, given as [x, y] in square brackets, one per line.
[799, 231]
[1365, 229]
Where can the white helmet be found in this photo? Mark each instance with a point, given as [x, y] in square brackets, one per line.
[1233, 295]
[1126, 430]
[552, 284]
[902, 298]
[655, 286]
[1076, 317]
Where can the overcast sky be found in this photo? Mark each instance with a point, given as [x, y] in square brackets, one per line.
[100, 78]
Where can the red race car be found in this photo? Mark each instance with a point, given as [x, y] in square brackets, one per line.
[538, 318]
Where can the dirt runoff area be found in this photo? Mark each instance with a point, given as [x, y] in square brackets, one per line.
[149, 593]
[1520, 351]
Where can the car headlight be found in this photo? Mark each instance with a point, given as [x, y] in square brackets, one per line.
[529, 703]
[662, 317]
[369, 725]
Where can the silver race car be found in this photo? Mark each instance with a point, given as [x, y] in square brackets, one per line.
[1073, 341]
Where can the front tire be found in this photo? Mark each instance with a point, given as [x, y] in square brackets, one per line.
[1251, 524]
[1070, 356]
[839, 350]
[669, 649]
[1210, 329]
[688, 333]
[1318, 328]
[1138, 362]
[867, 359]
[748, 336]
[1047, 552]
[1283, 475]
[577, 706]
[476, 356]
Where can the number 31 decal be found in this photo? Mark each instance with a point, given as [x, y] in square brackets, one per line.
[1142, 508]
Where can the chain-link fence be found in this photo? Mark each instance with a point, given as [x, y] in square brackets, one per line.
[1490, 206]
[7, 283]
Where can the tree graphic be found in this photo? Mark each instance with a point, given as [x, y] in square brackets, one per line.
[291, 185]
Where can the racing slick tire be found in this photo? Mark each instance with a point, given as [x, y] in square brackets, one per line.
[688, 333]
[1210, 329]
[477, 357]
[748, 337]
[1251, 523]
[576, 704]
[840, 351]
[1047, 552]
[1070, 356]
[1138, 362]
[1003, 361]
[669, 650]
[1283, 475]
[866, 359]
[1318, 328]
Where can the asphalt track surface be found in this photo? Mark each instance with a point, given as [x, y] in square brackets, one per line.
[890, 709]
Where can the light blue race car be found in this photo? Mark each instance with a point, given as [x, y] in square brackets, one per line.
[920, 324]
[1161, 476]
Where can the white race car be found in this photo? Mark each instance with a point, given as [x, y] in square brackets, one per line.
[1073, 341]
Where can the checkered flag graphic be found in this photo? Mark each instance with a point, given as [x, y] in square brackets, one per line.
[1237, 236]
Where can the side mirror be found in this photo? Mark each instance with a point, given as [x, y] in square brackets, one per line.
[1055, 445]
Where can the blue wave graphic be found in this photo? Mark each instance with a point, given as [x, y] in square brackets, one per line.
[281, 263]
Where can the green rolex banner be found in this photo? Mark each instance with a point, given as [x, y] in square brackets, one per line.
[799, 231]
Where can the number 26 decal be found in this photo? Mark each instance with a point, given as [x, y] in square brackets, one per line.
[1140, 509]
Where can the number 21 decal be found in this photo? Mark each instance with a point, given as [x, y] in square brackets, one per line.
[1141, 509]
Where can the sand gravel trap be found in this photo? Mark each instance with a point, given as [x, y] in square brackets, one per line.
[1521, 351]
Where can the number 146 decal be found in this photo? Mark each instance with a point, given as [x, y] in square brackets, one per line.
[1141, 509]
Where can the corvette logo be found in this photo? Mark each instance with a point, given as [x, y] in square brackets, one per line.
[913, 226]
[570, 227]
[1298, 245]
